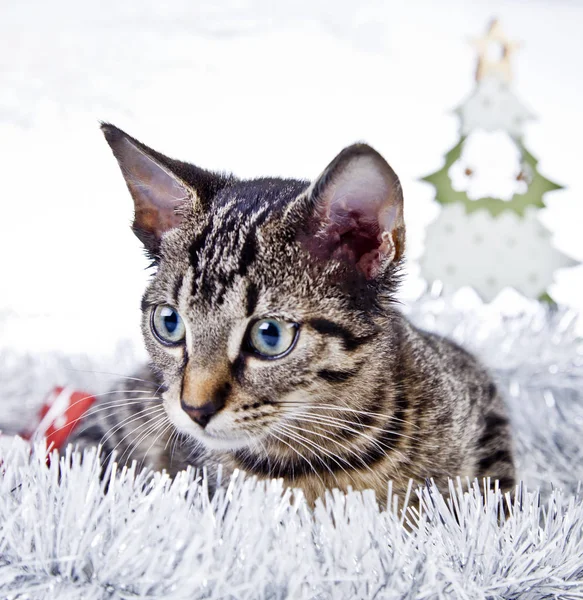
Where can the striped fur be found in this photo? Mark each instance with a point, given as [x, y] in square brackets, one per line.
[364, 397]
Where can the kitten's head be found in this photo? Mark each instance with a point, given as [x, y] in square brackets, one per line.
[267, 292]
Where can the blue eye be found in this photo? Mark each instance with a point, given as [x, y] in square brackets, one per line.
[272, 338]
[167, 325]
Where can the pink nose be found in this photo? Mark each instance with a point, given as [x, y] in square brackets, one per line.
[202, 414]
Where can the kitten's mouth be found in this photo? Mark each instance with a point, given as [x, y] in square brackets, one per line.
[213, 436]
[216, 441]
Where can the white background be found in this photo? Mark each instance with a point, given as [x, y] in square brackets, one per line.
[255, 87]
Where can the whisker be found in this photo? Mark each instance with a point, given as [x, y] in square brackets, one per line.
[153, 383]
[196, 445]
[178, 437]
[258, 441]
[155, 420]
[114, 405]
[146, 412]
[300, 455]
[88, 413]
[193, 448]
[106, 394]
[390, 451]
[336, 420]
[351, 450]
[181, 438]
[169, 440]
[133, 444]
[383, 447]
[347, 409]
[301, 439]
[168, 426]
[322, 449]
[146, 423]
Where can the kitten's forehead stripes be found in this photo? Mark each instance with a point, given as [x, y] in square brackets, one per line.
[226, 247]
[176, 289]
[251, 297]
[249, 249]
[216, 270]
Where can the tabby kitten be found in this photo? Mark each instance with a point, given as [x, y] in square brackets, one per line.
[276, 344]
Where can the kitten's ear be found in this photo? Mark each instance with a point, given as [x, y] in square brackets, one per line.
[354, 212]
[161, 197]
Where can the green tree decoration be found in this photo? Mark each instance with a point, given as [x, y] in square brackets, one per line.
[488, 234]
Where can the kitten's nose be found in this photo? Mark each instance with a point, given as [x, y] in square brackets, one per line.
[202, 414]
[204, 392]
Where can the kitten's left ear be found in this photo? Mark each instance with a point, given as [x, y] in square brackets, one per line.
[354, 212]
[164, 190]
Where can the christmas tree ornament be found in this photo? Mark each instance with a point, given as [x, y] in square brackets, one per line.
[494, 51]
[59, 415]
[488, 233]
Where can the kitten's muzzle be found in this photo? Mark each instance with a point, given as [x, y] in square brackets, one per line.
[202, 414]
[204, 393]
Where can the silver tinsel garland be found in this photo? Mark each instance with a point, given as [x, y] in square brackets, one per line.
[61, 536]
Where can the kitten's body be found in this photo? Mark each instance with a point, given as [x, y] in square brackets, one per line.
[361, 397]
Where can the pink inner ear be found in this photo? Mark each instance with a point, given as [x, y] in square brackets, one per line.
[361, 216]
[156, 192]
[354, 238]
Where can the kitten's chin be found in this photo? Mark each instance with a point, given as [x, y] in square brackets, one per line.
[213, 442]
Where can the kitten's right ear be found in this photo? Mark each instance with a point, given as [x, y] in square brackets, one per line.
[164, 190]
[353, 213]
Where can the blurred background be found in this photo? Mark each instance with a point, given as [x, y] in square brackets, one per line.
[256, 88]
